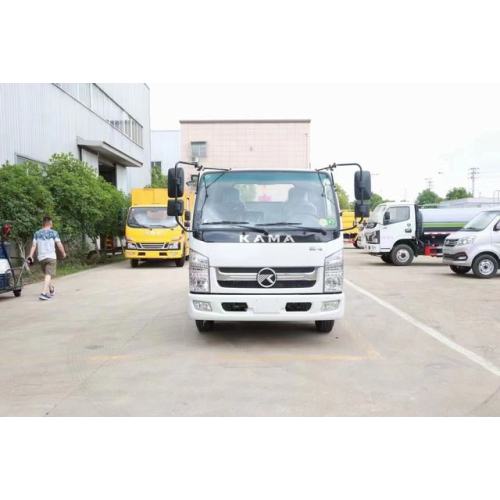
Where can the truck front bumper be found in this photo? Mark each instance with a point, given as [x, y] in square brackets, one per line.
[153, 254]
[268, 307]
[457, 258]
[373, 249]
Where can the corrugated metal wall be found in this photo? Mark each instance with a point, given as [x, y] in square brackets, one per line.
[38, 120]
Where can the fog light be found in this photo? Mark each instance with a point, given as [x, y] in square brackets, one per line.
[330, 305]
[199, 305]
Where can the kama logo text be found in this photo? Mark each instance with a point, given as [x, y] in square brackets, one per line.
[266, 238]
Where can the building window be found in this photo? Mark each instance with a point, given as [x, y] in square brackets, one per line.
[156, 164]
[90, 95]
[25, 159]
[198, 150]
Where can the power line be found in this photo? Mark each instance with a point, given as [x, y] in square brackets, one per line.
[473, 174]
[429, 183]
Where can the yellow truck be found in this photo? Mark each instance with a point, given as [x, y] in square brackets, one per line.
[152, 234]
[348, 221]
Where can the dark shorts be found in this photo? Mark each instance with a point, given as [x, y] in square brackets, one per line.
[49, 266]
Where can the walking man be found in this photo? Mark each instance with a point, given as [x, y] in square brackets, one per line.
[44, 243]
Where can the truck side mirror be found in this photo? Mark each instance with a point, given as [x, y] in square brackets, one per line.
[362, 185]
[175, 182]
[175, 208]
[387, 218]
[361, 209]
[187, 215]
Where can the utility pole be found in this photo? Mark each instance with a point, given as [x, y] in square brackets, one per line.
[429, 183]
[473, 173]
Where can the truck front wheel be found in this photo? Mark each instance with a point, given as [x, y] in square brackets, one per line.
[402, 255]
[180, 262]
[134, 262]
[485, 266]
[324, 326]
[460, 269]
[204, 325]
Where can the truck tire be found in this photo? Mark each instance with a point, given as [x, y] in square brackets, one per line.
[386, 258]
[180, 262]
[204, 325]
[355, 242]
[134, 262]
[324, 326]
[402, 255]
[17, 293]
[460, 269]
[485, 266]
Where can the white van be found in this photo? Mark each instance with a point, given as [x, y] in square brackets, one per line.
[476, 246]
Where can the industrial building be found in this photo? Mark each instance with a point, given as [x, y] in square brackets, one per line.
[106, 125]
[165, 148]
[247, 143]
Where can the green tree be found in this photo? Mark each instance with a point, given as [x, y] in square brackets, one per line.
[343, 197]
[457, 193]
[375, 200]
[427, 197]
[24, 200]
[79, 196]
[158, 180]
[115, 205]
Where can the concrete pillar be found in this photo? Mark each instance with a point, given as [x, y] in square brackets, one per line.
[122, 179]
[91, 158]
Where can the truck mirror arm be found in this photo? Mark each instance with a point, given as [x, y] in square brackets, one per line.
[335, 165]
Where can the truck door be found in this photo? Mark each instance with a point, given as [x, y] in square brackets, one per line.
[399, 223]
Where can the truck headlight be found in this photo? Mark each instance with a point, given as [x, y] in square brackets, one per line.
[333, 279]
[131, 245]
[199, 273]
[174, 246]
[468, 240]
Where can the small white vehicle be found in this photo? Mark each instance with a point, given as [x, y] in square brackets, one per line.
[399, 232]
[476, 246]
[266, 245]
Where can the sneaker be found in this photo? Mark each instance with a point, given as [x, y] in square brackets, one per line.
[52, 291]
[44, 296]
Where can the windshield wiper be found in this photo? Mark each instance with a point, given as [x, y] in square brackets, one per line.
[235, 223]
[296, 225]
[225, 222]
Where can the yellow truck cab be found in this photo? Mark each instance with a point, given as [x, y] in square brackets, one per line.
[351, 227]
[151, 233]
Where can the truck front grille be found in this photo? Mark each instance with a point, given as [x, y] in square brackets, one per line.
[152, 246]
[286, 277]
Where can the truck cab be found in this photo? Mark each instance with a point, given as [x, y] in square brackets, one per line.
[151, 234]
[476, 246]
[392, 232]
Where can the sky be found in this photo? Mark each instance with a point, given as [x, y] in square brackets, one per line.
[407, 135]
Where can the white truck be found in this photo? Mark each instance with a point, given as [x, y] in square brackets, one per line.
[476, 246]
[399, 232]
[266, 245]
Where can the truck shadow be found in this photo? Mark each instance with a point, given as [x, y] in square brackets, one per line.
[264, 331]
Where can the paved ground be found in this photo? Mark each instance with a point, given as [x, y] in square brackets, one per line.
[116, 341]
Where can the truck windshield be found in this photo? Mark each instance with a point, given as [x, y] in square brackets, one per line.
[377, 214]
[265, 200]
[150, 217]
[480, 221]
